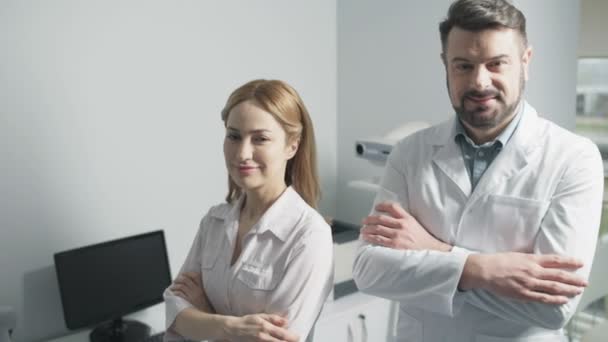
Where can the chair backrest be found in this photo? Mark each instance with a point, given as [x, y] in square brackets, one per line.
[598, 279]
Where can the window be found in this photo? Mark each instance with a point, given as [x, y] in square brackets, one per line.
[592, 101]
[592, 112]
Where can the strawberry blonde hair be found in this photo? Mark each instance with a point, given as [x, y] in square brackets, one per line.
[285, 105]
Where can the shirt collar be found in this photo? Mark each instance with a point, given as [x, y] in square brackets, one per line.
[283, 215]
[279, 219]
[502, 138]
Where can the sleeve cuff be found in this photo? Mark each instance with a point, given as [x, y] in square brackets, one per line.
[173, 306]
[459, 297]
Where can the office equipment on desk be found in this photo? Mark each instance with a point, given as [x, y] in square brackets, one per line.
[100, 283]
[345, 236]
[8, 321]
[377, 149]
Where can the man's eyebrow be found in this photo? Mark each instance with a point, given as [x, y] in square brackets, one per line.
[462, 59]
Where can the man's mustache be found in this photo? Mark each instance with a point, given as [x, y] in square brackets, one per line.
[485, 93]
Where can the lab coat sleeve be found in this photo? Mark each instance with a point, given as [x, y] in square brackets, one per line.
[307, 281]
[420, 278]
[173, 303]
[570, 227]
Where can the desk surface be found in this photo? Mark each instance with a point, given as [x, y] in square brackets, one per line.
[155, 316]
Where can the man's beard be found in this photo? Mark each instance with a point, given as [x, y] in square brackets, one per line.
[500, 114]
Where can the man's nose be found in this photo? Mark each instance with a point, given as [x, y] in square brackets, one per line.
[481, 78]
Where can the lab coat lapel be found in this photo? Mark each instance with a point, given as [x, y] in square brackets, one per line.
[514, 156]
[448, 158]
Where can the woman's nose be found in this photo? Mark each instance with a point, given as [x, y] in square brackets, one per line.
[245, 150]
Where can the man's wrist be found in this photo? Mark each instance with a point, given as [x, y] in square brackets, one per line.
[472, 274]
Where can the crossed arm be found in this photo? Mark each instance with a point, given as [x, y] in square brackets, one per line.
[201, 322]
[290, 313]
[190, 314]
[538, 288]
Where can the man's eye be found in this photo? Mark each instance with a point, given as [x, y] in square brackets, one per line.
[463, 67]
[496, 64]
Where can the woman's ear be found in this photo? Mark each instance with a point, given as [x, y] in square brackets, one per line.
[292, 148]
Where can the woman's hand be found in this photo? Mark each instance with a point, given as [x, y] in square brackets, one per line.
[259, 328]
[189, 286]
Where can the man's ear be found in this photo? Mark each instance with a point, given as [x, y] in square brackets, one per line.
[525, 60]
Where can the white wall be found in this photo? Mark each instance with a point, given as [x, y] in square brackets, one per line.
[110, 122]
[389, 73]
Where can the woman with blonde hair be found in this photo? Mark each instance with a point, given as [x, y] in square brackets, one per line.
[249, 273]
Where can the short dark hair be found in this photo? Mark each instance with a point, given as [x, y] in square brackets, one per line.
[478, 15]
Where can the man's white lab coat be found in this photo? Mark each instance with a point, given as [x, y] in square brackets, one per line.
[542, 194]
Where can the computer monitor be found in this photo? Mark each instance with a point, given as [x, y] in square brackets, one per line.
[102, 282]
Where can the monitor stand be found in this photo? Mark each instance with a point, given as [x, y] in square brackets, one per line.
[120, 330]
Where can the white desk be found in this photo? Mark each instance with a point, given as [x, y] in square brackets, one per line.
[153, 316]
[335, 323]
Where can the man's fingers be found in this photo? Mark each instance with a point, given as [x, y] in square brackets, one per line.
[530, 295]
[558, 261]
[557, 288]
[378, 240]
[394, 209]
[379, 230]
[564, 277]
[382, 220]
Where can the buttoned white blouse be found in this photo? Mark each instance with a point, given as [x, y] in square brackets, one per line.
[285, 266]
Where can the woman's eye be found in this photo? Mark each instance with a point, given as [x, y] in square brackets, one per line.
[232, 136]
[261, 139]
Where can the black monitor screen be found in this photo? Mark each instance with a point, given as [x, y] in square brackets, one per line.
[105, 281]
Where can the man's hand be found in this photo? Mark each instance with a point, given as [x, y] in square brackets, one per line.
[189, 286]
[399, 230]
[528, 277]
[259, 328]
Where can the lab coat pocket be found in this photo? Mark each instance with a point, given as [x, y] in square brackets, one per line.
[259, 277]
[512, 222]
[550, 337]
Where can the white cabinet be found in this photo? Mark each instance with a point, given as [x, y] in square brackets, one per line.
[356, 318]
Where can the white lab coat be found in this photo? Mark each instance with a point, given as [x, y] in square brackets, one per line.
[285, 266]
[542, 194]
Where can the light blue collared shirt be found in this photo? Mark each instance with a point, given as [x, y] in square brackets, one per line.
[478, 158]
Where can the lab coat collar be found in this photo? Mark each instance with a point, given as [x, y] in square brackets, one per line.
[279, 219]
[513, 157]
[448, 156]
